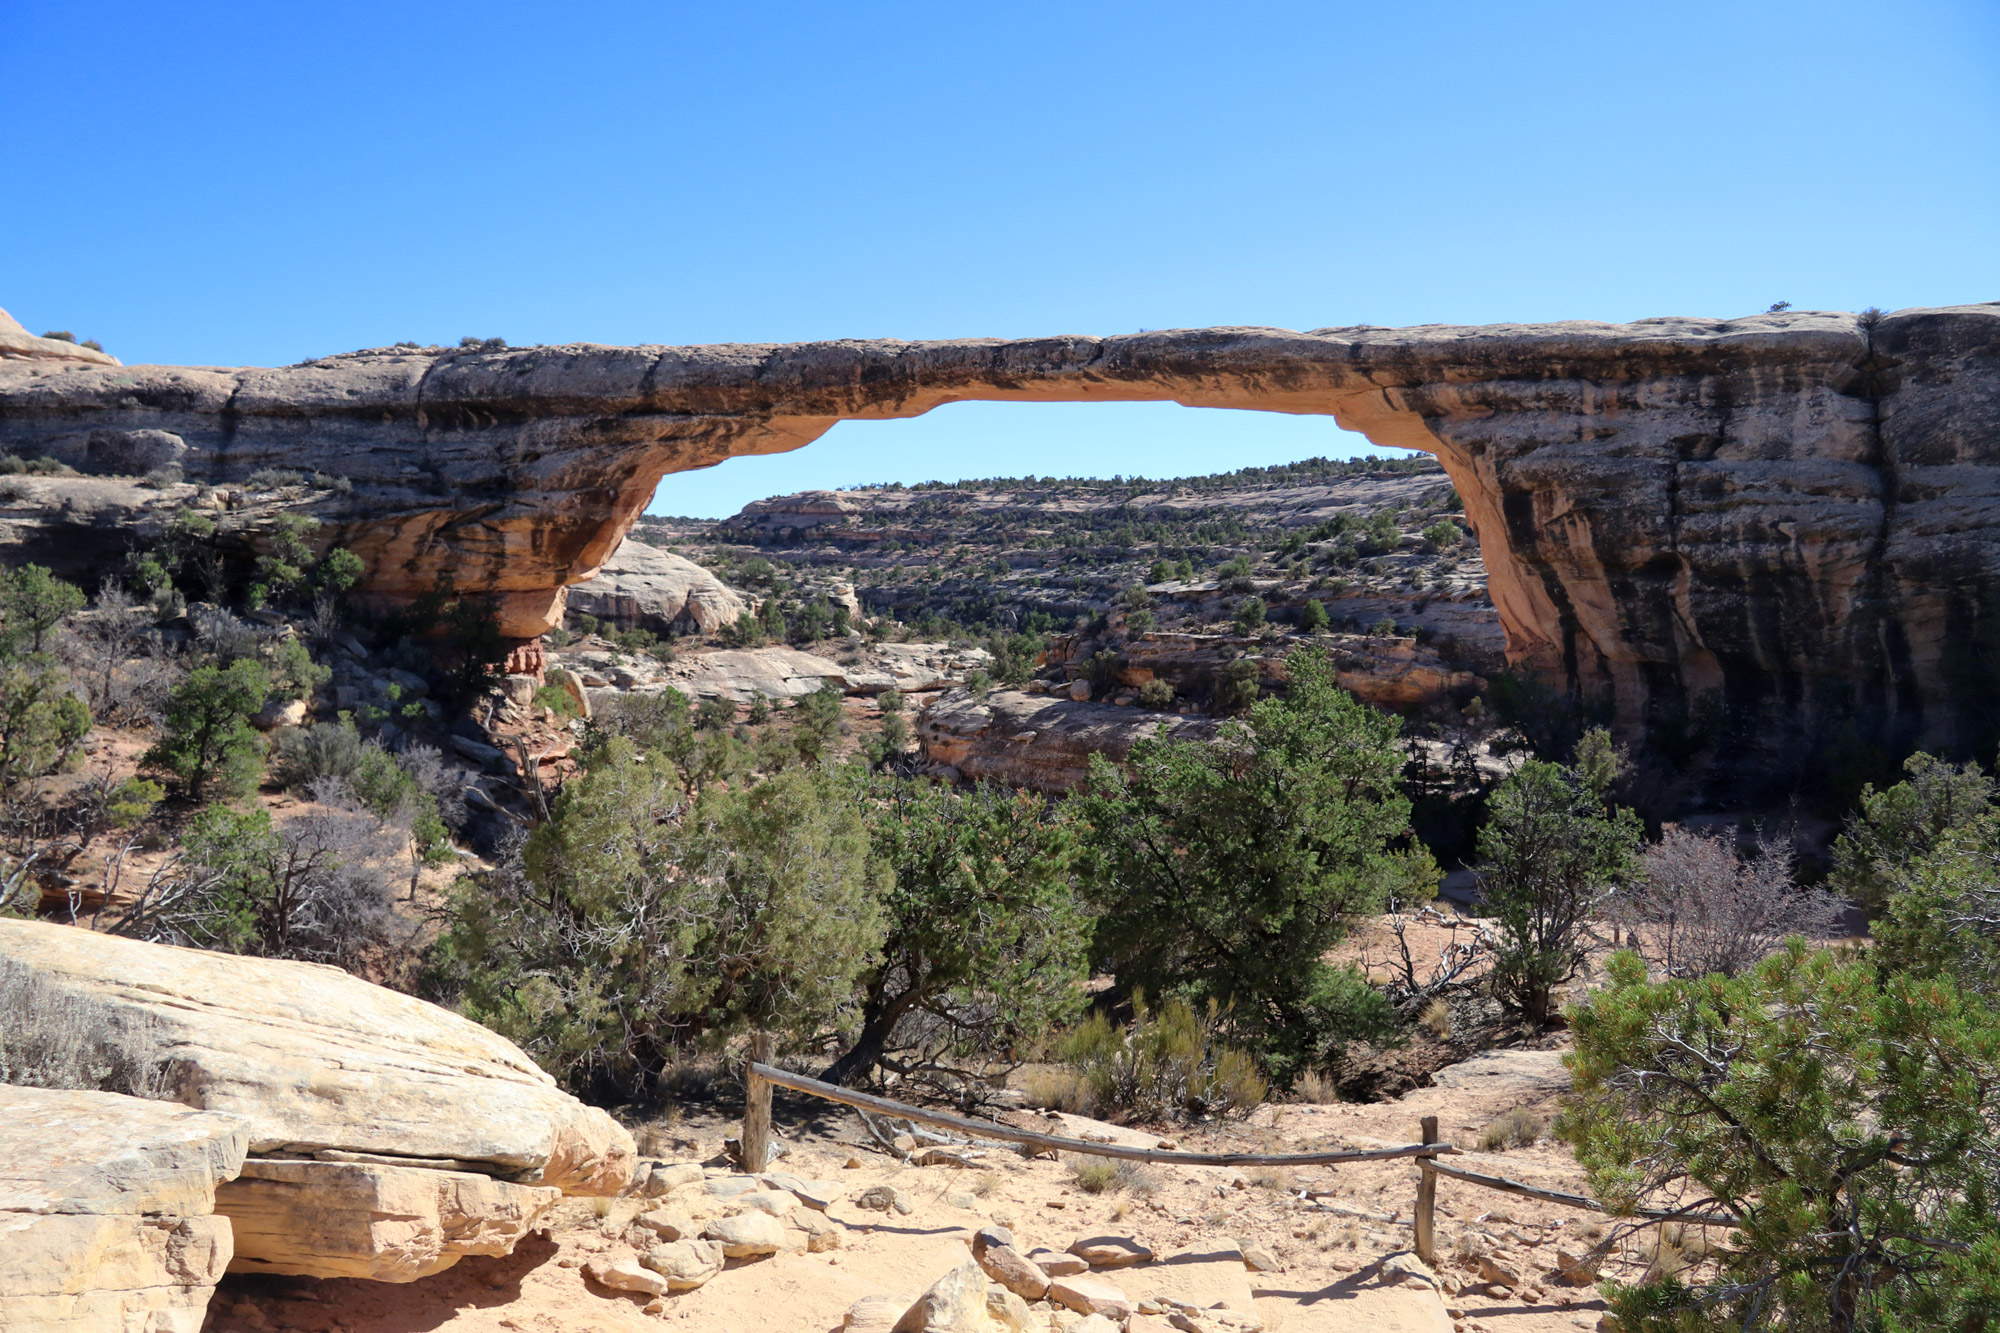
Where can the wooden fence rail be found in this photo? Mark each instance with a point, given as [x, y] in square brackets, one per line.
[760, 1078]
[762, 1074]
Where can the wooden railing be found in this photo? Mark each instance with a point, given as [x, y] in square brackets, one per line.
[760, 1078]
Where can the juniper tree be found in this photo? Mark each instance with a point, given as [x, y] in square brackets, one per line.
[1227, 870]
[1847, 1121]
[986, 944]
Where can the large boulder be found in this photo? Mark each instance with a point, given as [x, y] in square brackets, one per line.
[742, 674]
[320, 1062]
[1038, 740]
[107, 1211]
[643, 587]
[363, 1219]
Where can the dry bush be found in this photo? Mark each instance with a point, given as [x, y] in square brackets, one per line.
[51, 1036]
[1135, 1179]
[1672, 1250]
[1171, 1062]
[1315, 1088]
[1706, 911]
[1094, 1175]
[1519, 1128]
[1436, 1019]
[1057, 1088]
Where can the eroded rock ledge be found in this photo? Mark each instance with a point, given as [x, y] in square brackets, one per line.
[1790, 514]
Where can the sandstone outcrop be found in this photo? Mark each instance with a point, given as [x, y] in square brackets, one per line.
[1385, 670]
[1789, 515]
[1037, 740]
[367, 1220]
[107, 1211]
[316, 1061]
[17, 343]
[643, 587]
[774, 672]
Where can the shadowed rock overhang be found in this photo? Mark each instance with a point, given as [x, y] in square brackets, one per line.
[1783, 524]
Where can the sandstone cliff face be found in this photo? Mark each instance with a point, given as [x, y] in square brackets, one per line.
[1791, 513]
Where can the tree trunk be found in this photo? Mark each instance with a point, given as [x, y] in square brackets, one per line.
[878, 1023]
[756, 1138]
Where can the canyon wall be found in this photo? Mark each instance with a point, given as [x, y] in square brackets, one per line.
[1779, 527]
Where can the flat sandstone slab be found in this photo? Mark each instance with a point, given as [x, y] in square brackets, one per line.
[106, 1211]
[313, 1058]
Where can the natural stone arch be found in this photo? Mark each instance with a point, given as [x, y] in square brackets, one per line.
[1790, 510]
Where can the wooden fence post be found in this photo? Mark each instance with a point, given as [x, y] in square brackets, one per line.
[1427, 1190]
[756, 1105]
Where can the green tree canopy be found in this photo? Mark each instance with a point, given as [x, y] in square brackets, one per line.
[1553, 853]
[651, 912]
[207, 744]
[985, 937]
[1226, 871]
[1898, 827]
[32, 602]
[1849, 1123]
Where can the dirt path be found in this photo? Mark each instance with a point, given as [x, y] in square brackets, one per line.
[1324, 1248]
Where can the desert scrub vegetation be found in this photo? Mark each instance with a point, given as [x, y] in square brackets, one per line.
[1555, 852]
[1519, 1128]
[55, 1038]
[1170, 1063]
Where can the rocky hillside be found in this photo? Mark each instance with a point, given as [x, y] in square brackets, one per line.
[1372, 541]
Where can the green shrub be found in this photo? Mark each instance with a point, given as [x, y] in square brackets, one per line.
[986, 944]
[1169, 1063]
[1250, 615]
[1312, 617]
[1443, 535]
[33, 602]
[817, 719]
[1554, 851]
[1156, 694]
[1238, 690]
[1896, 829]
[638, 921]
[1227, 870]
[14, 465]
[207, 745]
[1844, 1117]
[303, 756]
[556, 699]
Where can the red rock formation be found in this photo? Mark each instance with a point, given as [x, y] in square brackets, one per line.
[1791, 512]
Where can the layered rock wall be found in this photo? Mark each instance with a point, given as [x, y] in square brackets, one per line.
[1785, 521]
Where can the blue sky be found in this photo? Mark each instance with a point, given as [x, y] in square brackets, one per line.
[254, 184]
